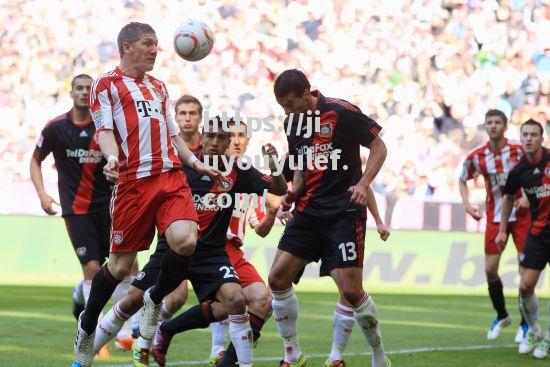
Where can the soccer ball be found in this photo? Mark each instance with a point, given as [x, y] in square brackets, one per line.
[193, 40]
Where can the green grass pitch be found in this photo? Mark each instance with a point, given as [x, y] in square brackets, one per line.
[37, 329]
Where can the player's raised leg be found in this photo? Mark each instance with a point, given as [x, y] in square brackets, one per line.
[285, 304]
[181, 236]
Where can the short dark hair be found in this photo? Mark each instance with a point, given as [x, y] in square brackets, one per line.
[532, 122]
[80, 76]
[186, 98]
[499, 113]
[291, 81]
[215, 124]
[130, 33]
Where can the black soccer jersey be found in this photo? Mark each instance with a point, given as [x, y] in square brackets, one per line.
[83, 187]
[535, 181]
[214, 219]
[342, 129]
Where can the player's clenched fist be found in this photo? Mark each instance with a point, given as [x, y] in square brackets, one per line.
[358, 194]
[46, 201]
[474, 212]
[383, 231]
[110, 170]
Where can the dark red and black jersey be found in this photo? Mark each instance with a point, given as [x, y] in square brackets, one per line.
[535, 181]
[83, 187]
[214, 219]
[343, 129]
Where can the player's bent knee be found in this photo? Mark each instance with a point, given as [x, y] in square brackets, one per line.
[353, 296]
[526, 289]
[235, 304]
[277, 283]
[492, 275]
[185, 246]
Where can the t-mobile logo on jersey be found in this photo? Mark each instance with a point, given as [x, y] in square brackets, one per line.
[149, 109]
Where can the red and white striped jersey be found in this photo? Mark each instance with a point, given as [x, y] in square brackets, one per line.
[494, 167]
[237, 225]
[138, 111]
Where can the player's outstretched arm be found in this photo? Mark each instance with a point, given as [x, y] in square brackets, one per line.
[507, 205]
[381, 228]
[188, 158]
[46, 201]
[109, 148]
[465, 195]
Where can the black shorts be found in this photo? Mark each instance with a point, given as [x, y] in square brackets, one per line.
[147, 277]
[208, 271]
[89, 234]
[339, 242]
[536, 252]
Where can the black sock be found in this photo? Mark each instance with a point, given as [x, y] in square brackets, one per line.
[103, 286]
[229, 358]
[497, 297]
[172, 272]
[523, 321]
[197, 317]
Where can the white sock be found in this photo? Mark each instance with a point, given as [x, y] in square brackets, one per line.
[530, 307]
[86, 288]
[78, 296]
[343, 322]
[285, 309]
[241, 337]
[134, 320]
[143, 343]
[366, 316]
[219, 337]
[165, 313]
[109, 326]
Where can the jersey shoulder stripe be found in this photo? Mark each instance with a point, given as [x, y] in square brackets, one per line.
[342, 103]
[59, 118]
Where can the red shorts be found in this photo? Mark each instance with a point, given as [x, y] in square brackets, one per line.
[138, 205]
[518, 229]
[246, 272]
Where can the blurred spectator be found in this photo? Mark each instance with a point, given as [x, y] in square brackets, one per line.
[427, 70]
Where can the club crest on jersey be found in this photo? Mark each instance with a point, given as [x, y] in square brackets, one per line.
[81, 251]
[225, 184]
[140, 275]
[547, 171]
[158, 93]
[117, 238]
[326, 130]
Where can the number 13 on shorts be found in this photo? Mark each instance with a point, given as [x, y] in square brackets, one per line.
[349, 251]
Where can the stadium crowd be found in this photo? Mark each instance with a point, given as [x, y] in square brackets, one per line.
[427, 70]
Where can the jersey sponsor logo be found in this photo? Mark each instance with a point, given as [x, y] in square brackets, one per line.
[225, 185]
[326, 130]
[84, 155]
[540, 192]
[149, 109]
[83, 134]
[81, 251]
[498, 179]
[317, 148]
[97, 116]
[118, 238]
